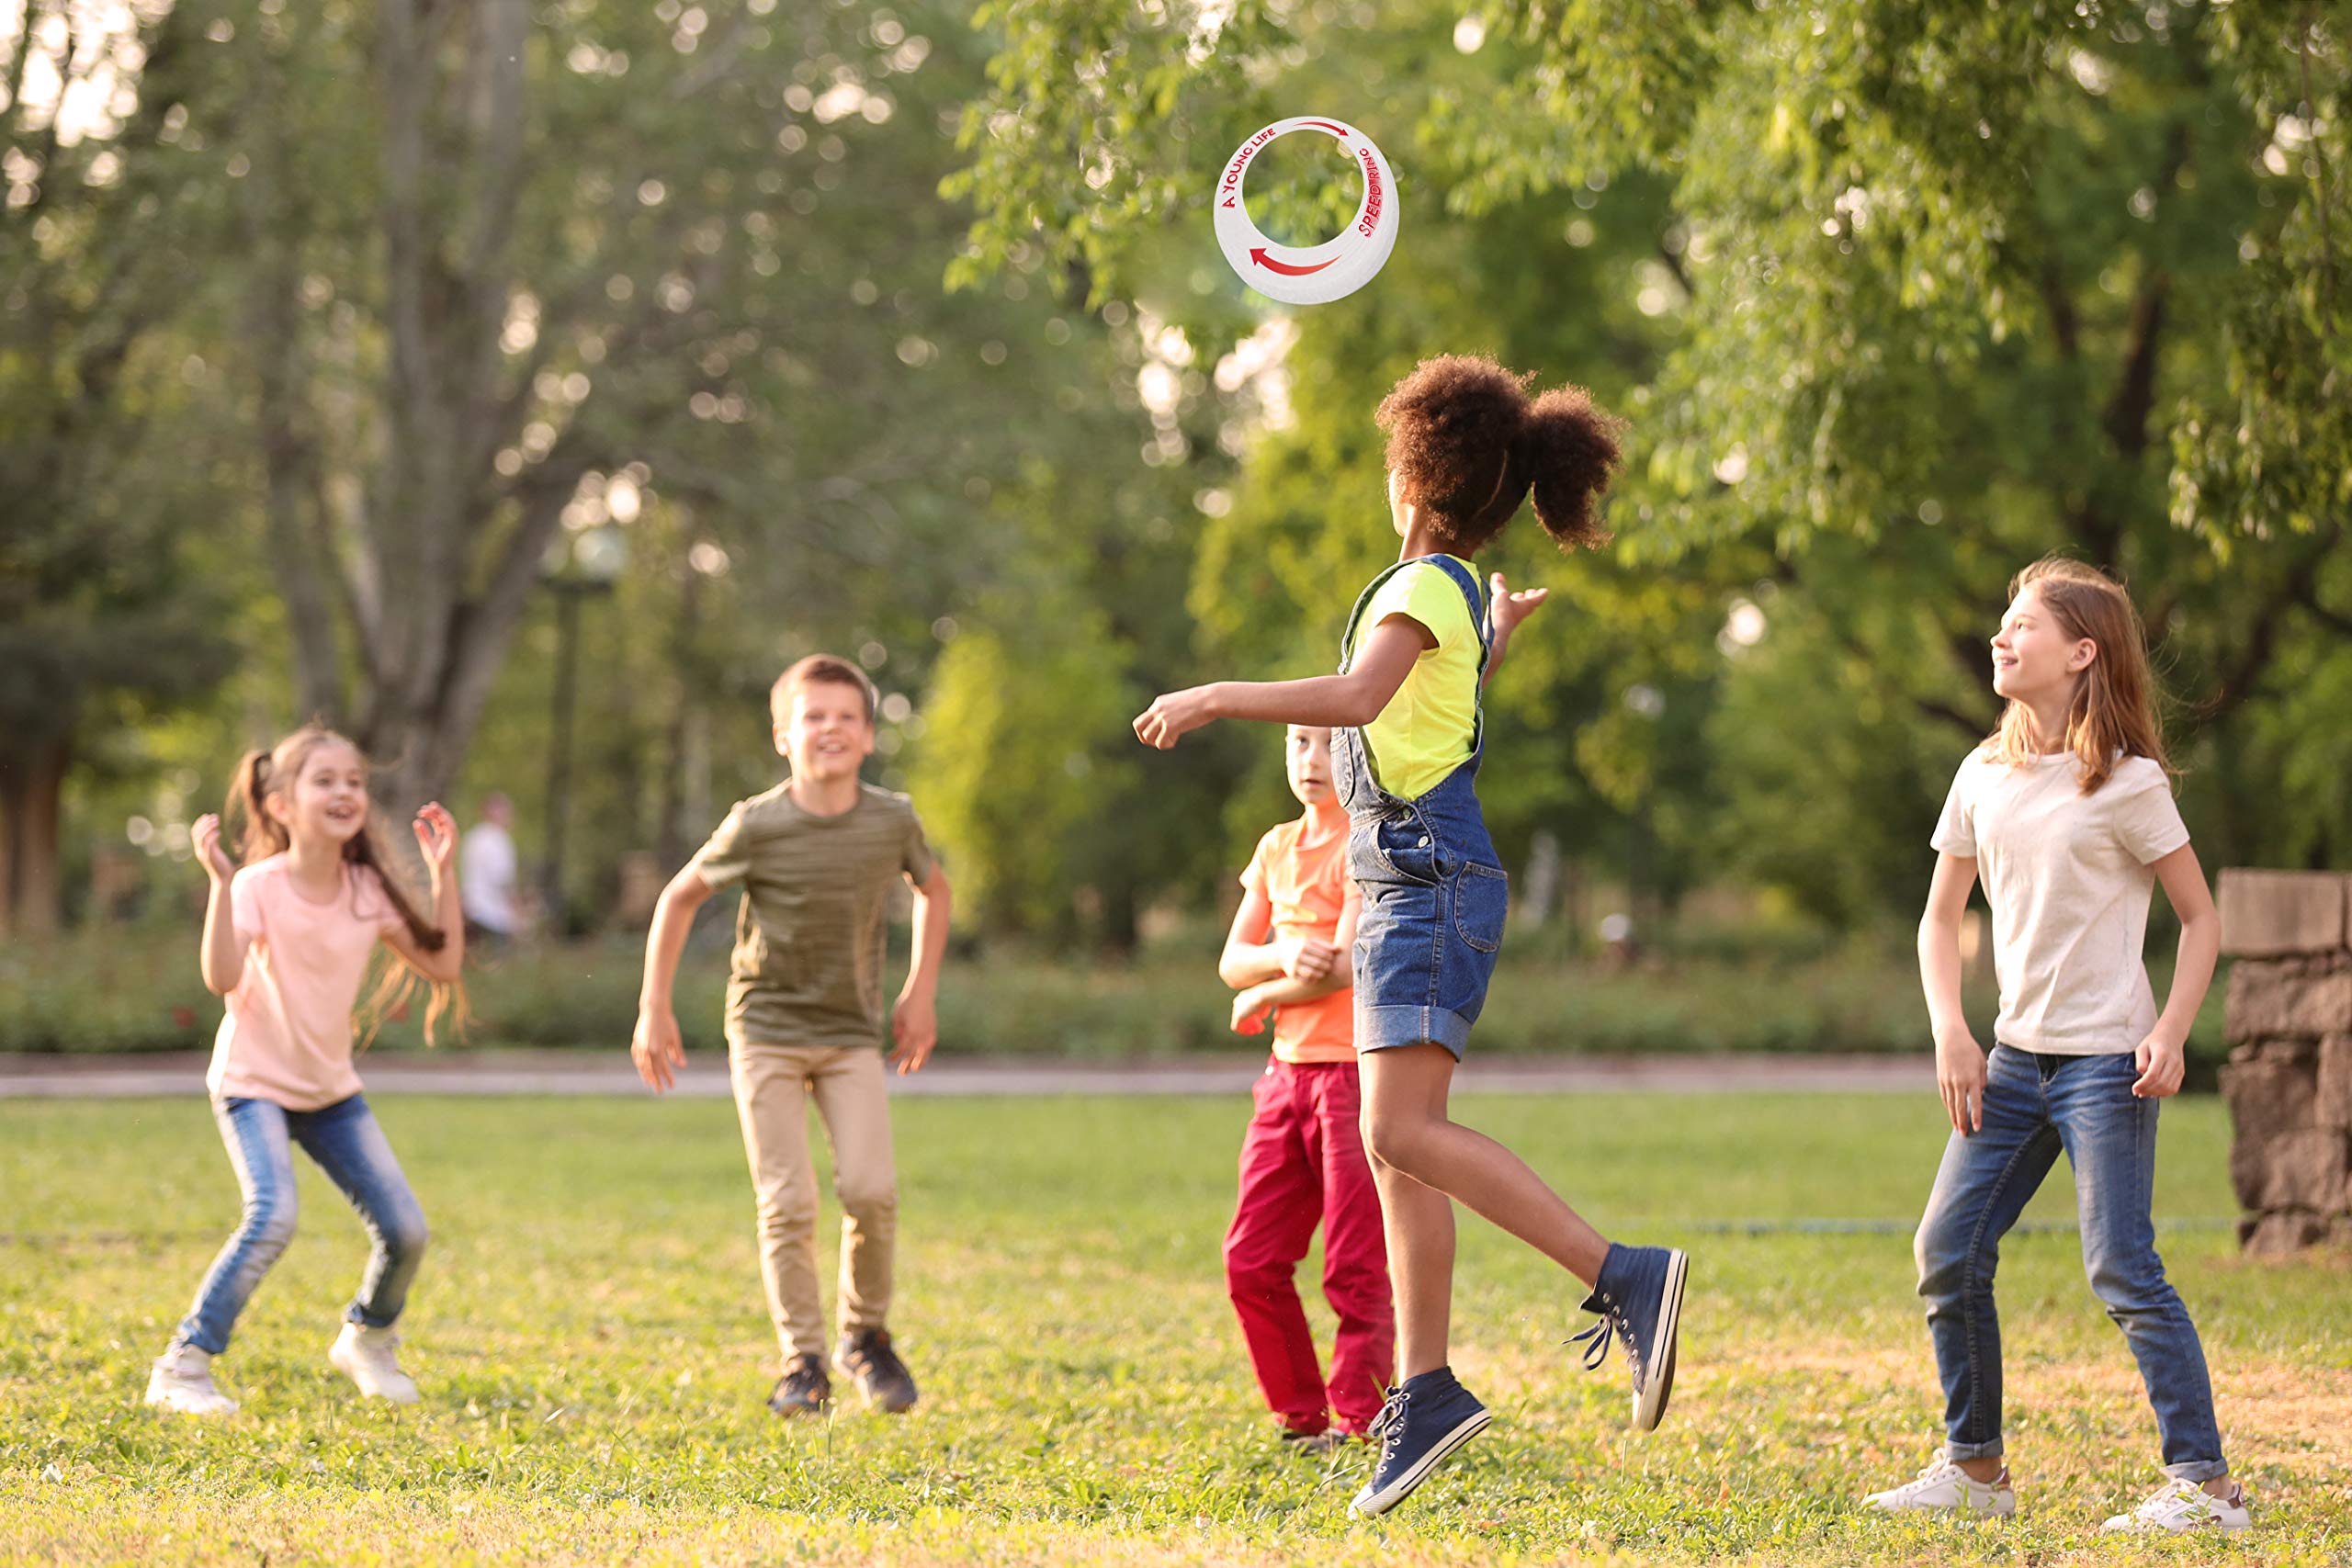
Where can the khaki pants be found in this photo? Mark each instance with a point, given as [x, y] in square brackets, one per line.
[772, 1087]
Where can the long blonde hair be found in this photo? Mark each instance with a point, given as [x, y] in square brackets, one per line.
[260, 774]
[2113, 714]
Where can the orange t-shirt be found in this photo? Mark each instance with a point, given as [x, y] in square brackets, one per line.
[287, 1034]
[1307, 888]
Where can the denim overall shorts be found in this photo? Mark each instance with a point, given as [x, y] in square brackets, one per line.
[1433, 896]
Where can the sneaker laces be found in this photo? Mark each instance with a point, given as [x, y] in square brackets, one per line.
[1388, 1426]
[1941, 1471]
[2173, 1499]
[1595, 1337]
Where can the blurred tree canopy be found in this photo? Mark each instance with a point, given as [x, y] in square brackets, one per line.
[1918, 293]
[338, 342]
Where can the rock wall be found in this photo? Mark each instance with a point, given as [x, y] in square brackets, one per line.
[2289, 1081]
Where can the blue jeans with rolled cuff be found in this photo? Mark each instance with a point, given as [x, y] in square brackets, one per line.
[2036, 1107]
[347, 1143]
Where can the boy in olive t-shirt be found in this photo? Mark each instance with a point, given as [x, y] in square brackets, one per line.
[817, 857]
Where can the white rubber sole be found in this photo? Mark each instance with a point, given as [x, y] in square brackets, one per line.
[364, 1382]
[1649, 1405]
[175, 1400]
[1369, 1503]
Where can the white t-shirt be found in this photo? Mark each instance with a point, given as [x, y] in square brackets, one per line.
[2066, 875]
[486, 877]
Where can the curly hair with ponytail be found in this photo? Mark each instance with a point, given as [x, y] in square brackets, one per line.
[260, 834]
[1468, 446]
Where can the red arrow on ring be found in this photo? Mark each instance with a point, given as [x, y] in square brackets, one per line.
[1258, 254]
[1339, 130]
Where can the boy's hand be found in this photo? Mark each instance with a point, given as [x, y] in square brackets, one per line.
[914, 1025]
[1959, 1078]
[656, 1048]
[1507, 609]
[1173, 715]
[2163, 1063]
[1305, 958]
[1249, 1011]
[204, 836]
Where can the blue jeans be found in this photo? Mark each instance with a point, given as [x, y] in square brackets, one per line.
[345, 1143]
[2036, 1106]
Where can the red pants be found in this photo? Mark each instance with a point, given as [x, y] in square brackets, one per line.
[1303, 1161]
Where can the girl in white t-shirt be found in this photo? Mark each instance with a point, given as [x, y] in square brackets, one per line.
[2066, 813]
[287, 941]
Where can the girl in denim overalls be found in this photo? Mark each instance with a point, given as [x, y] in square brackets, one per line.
[1467, 446]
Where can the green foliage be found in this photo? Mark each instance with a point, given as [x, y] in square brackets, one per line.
[1924, 292]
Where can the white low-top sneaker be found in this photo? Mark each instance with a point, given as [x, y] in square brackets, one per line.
[1944, 1487]
[181, 1382]
[370, 1358]
[2183, 1506]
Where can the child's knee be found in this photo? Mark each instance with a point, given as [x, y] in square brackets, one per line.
[1394, 1141]
[267, 1225]
[869, 1203]
[406, 1234]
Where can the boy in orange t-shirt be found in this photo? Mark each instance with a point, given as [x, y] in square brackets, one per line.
[1302, 1159]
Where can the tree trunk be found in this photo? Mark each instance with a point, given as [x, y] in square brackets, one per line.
[31, 797]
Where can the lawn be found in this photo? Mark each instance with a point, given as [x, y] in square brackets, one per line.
[589, 1334]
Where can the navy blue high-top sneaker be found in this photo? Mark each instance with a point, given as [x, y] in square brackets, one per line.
[1639, 1294]
[1426, 1420]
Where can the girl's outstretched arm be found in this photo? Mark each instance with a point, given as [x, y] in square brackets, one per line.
[1960, 1062]
[2161, 1056]
[1328, 702]
[221, 959]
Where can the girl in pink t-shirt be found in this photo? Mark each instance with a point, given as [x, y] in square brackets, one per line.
[287, 941]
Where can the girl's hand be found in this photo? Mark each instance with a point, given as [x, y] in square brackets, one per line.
[437, 835]
[1249, 1009]
[204, 836]
[1173, 715]
[1960, 1076]
[1507, 609]
[2162, 1064]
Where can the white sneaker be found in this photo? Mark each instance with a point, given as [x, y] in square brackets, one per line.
[181, 1382]
[2181, 1506]
[370, 1358]
[1944, 1487]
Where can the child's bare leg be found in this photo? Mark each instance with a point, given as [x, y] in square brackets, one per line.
[1420, 1225]
[1407, 1129]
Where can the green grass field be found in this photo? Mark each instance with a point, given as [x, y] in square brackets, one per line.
[590, 1337]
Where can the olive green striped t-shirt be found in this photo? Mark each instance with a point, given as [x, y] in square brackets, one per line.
[809, 932]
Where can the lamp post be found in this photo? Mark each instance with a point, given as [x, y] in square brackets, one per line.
[584, 565]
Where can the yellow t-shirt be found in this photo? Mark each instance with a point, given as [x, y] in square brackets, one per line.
[1426, 730]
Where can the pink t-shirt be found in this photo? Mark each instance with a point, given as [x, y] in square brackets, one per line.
[287, 1035]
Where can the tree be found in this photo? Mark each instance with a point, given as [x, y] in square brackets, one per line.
[573, 241]
[1945, 287]
[105, 211]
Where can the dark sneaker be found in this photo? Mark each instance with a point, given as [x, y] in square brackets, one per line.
[803, 1390]
[1318, 1445]
[1423, 1421]
[1640, 1296]
[868, 1358]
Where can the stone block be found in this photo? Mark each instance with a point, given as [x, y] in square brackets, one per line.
[2302, 1169]
[2285, 1231]
[2267, 1097]
[2333, 1102]
[2292, 996]
[2267, 914]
